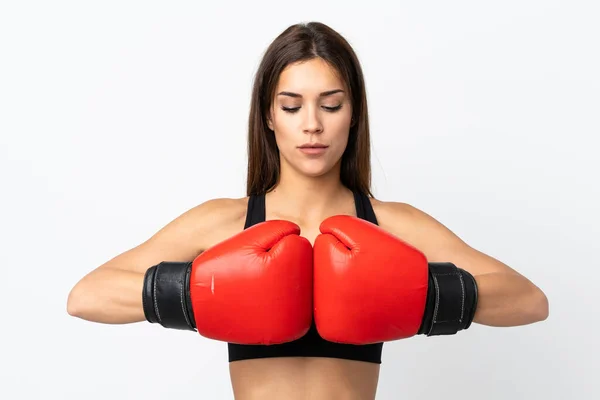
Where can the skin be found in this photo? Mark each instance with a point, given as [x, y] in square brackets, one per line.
[309, 191]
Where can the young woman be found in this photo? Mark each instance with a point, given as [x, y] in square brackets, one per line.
[382, 270]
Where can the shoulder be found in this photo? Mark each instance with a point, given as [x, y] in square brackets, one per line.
[397, 217]
[434, 239]
[213, 220]
[416, 227]
[221, 210]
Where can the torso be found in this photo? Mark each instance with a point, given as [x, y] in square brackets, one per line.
[300, 377]
[296, 378]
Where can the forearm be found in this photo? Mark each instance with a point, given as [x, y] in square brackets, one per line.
[507, 299]
[110, 296]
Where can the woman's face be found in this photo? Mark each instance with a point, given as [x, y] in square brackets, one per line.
[311, 117]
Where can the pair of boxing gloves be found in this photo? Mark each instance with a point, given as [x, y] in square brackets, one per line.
[265, 285]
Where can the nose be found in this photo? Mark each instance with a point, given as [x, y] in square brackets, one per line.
[312, 122]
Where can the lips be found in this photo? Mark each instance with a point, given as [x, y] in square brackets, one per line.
[313, 146]
[313, 149]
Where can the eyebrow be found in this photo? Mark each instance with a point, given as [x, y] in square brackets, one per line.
[323, 94]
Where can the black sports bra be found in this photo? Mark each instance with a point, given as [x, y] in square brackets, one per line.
[311, 344]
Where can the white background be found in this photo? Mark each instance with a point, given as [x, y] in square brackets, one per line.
[117, 116]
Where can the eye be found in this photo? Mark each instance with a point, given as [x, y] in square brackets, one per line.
[290, 109]
[295, 109]
[332, 109]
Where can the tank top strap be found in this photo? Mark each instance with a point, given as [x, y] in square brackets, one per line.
[256, 212]
[364, 208]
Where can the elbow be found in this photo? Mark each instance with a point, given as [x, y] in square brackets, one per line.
[539, 306]
[74, 302]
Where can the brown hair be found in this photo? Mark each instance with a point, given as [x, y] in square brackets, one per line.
[302, 42]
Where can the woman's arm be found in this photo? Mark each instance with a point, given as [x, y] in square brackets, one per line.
[506, 298]
[112, 293]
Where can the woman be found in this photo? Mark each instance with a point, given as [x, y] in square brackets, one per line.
[309, 160]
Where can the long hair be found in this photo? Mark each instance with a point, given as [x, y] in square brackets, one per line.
[303, 42]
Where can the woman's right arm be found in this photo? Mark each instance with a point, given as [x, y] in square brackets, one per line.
[112, 293]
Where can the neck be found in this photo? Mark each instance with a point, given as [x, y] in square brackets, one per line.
[311, 197]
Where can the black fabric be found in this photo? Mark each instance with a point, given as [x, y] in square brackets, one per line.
[471, 297]
[429, 307]
[451, 300]
[311, 344]
[165, 298]
[148, 302]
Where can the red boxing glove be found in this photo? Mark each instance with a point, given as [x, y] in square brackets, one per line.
[370, 286]
[253, 288]
[256, 287]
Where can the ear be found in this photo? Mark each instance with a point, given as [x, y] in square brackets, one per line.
[269, 122]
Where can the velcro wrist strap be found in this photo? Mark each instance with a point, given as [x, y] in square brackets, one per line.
[166, 297]
[454, 294]
[148, 295]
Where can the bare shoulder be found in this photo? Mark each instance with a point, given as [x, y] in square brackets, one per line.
[200, 227]
[433, 238]
[186, 236]
[396, 217]
[219, 211]
[217, 219]
[415, 227]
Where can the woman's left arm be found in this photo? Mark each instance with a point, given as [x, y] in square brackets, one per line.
[506, 298]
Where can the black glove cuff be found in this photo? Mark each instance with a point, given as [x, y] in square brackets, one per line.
[451, 300]
[150, 309]
[166, 295]
[471, 297]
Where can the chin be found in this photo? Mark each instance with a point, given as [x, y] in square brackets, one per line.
[314, 169]
[313, 174]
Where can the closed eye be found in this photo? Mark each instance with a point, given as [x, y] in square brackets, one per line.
[295, 109]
